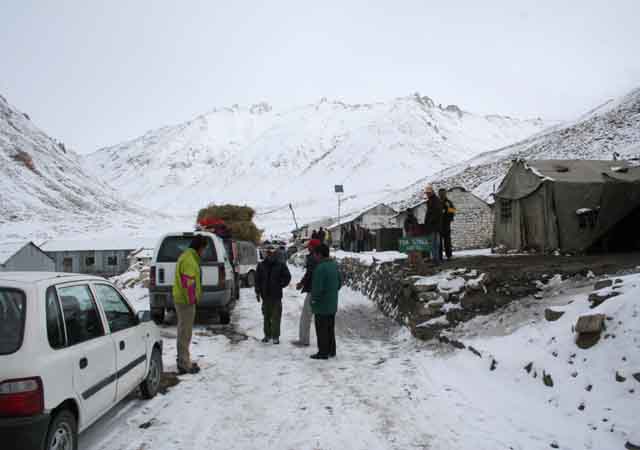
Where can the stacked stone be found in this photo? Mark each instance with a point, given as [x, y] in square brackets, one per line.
[473, 223]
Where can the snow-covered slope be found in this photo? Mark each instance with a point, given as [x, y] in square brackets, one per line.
[612, 127]
[44, 191]
[270, 158]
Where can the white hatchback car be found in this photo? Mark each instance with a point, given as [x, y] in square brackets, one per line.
[71, 347]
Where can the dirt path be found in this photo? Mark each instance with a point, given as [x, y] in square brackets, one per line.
[384, 391]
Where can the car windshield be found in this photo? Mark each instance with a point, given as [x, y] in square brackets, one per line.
[173, 246]
[12, 315]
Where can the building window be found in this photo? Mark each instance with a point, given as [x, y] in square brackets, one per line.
[67, 264]
[112, 260]
[90, 261]
[505, 210]
[587, 218]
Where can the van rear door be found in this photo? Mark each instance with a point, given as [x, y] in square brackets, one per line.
[169, 252]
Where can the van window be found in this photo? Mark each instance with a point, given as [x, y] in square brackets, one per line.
[81, 316]
[55, 326]
[12, 316]
[173, 246]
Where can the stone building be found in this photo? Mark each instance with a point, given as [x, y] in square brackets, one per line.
[24, 256]
[375, 218]
[473, 223]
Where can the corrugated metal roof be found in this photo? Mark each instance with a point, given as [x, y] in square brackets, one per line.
[8, 249]
[98, 245]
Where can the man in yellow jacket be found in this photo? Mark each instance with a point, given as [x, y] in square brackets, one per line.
[187, 292]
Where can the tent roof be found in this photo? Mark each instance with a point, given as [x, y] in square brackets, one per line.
[583, 171]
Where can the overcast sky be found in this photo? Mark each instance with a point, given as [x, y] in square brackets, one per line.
[94, 73]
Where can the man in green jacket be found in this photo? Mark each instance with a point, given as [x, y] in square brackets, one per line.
[187, 292]
[324, 301]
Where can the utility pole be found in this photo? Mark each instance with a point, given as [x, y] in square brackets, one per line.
[339, 189]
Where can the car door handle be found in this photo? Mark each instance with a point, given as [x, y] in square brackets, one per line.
[84, 362]
[122, 345]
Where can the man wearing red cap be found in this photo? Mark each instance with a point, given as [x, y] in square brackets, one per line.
[305, 286]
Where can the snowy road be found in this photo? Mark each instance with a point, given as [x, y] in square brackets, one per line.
[383, 391]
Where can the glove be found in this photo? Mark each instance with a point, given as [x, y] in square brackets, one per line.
[299, 286]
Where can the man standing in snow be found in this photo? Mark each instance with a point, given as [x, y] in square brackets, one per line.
[433, 223]
[187, 292]
[448, 213]
[272, 276]
[305, 285]
[324, 301]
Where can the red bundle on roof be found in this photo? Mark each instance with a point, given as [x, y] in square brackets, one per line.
[209, 222]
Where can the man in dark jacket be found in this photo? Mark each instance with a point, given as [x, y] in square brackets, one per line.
[324, 301]
[433, 223]
[272, 276]
[448, 213]
[305, 285]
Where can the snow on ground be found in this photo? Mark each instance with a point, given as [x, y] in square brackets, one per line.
[387, 391]
[369, 258]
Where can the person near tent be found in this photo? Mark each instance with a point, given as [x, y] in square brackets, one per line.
[187, 292]
[305, 286]
[353, 233]
[433, 223]
[346, 237]
[359, 238]
[448, 214]
[411, 230]
[272, 276]
[321, 235]
[324, 301]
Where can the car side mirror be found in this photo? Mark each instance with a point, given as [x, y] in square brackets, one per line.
[144, 316]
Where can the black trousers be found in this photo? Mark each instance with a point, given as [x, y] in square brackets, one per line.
[326, 334]
[445, 235]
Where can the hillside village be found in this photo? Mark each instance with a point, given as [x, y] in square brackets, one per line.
[543, 237]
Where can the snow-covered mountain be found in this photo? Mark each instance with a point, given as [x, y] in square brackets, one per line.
[269, 158]
[613, 127]
[44, 190]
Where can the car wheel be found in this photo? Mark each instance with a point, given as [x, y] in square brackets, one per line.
[251, 279]
[225, 317]
[63, 432]
[151, 384]
[157, 315]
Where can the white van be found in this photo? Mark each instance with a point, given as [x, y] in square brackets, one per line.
[218, 285]
[248, 259]
[71, 348]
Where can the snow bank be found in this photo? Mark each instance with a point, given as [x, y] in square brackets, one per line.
[369, 258]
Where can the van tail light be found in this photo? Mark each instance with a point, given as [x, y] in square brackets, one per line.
[221, 276]
[23, 397]
[152, 277]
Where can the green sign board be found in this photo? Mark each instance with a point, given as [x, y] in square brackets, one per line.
[415, 244]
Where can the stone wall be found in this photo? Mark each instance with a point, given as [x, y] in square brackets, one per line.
[473, 224]
[426, 305]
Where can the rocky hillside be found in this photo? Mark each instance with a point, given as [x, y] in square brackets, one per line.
[44, 190]
[270, 158]
[612, 127]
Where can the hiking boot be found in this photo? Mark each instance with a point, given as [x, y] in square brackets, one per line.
[276, 341]
[266, 339]
[332, 355]
[319, 356]
[191, 371]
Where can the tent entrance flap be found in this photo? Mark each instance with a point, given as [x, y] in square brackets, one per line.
[618, 218]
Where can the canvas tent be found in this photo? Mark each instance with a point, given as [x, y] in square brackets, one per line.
[569, 205]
